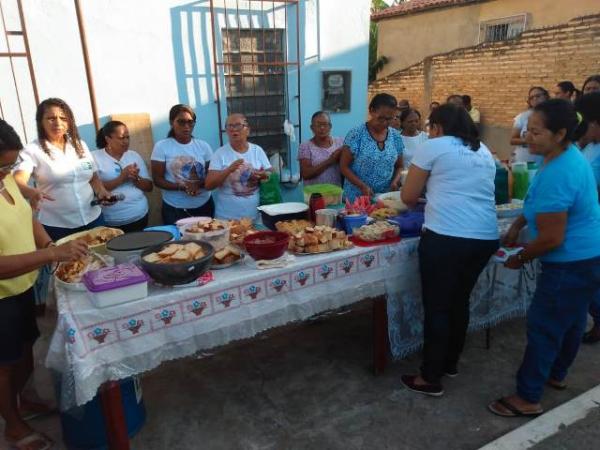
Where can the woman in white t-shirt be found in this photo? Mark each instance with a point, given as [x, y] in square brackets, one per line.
[521, 153]
[236, 171]
[179, 168]
[124, 172]
[411, 133]
[64, 173]
[461, 234]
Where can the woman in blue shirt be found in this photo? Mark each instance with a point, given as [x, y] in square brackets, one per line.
[371, 159]
[562, 213]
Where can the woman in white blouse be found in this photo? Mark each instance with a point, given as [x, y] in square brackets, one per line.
[123, 171]
[64, 172]
[412, 136]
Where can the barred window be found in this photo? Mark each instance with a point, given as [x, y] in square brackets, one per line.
[502, 29]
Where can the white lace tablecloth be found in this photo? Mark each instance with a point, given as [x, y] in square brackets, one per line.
[91, 346]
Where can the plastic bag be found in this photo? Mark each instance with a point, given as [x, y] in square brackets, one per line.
[269, 190]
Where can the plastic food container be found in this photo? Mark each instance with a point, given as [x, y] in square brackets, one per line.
[127, 248]
[271, 214]
[326, 217]
[115, 285]
[182, 223]
[331, 193]
[217, 238]
[354, 221]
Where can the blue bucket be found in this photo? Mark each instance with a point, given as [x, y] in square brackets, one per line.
[83, 427]
[352, 222]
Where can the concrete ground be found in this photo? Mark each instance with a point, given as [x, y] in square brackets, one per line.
[310, 386]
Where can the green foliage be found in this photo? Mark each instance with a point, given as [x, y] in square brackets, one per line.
[375, 63]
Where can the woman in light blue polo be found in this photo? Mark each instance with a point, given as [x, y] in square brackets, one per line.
[562, 213]
[371, 159]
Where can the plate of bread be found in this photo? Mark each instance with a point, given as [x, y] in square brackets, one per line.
[318, 239]
[226, 257]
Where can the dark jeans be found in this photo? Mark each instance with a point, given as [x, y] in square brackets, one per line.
[57, 233]
[138, 225]
[449, 267]
[556, 322]
[170, 214]
[595, 309]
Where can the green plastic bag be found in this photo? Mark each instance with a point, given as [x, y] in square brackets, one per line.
[269, 190]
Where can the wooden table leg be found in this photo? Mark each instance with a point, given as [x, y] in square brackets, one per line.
[380, 335]
[114, 416]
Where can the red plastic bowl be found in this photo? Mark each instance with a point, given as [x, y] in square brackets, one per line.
[266, 244]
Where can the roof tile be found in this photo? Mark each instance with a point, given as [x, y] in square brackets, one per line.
[413, 6]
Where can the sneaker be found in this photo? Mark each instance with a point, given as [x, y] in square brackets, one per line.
[451, 373]
[434, 390]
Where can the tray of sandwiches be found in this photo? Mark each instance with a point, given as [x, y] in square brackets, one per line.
[239, 229]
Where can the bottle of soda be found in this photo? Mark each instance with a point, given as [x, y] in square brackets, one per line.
[315, 203]
[521, 180]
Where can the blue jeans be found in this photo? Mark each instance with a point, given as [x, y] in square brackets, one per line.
[556, 322]
[595, 309]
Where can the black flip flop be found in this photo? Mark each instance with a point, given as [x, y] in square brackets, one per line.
[516, 412]
[557, 387]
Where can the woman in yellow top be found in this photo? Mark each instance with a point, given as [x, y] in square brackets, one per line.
[24, 248]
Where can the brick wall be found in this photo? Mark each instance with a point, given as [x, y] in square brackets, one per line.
[498, 75]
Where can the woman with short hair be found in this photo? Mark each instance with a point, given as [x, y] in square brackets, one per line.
[535, 96]
[562, 215]
[236, 171]
[460, 235]
[412, 136]
[371, 159]
[319, 156]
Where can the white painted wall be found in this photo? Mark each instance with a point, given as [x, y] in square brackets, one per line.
[140, 53]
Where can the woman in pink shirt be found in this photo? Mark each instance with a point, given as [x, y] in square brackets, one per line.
[319, 157]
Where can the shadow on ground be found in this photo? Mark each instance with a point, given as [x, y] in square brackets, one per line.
[310, 386]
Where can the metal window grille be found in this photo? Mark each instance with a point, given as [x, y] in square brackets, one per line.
[503, 29]
[259, 65]
[259, 91]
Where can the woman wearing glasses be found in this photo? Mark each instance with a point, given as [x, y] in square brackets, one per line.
[179, 167]
[64, 172]
[24, 248]
[371, 159]
[536, 96]
[320, 156]
[122, 171]
[236, 170]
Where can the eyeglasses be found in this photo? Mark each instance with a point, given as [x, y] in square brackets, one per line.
[10, 167]
[381, 119]
[236, 126]
[322, 125]
[183, 122]
[534, 96]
